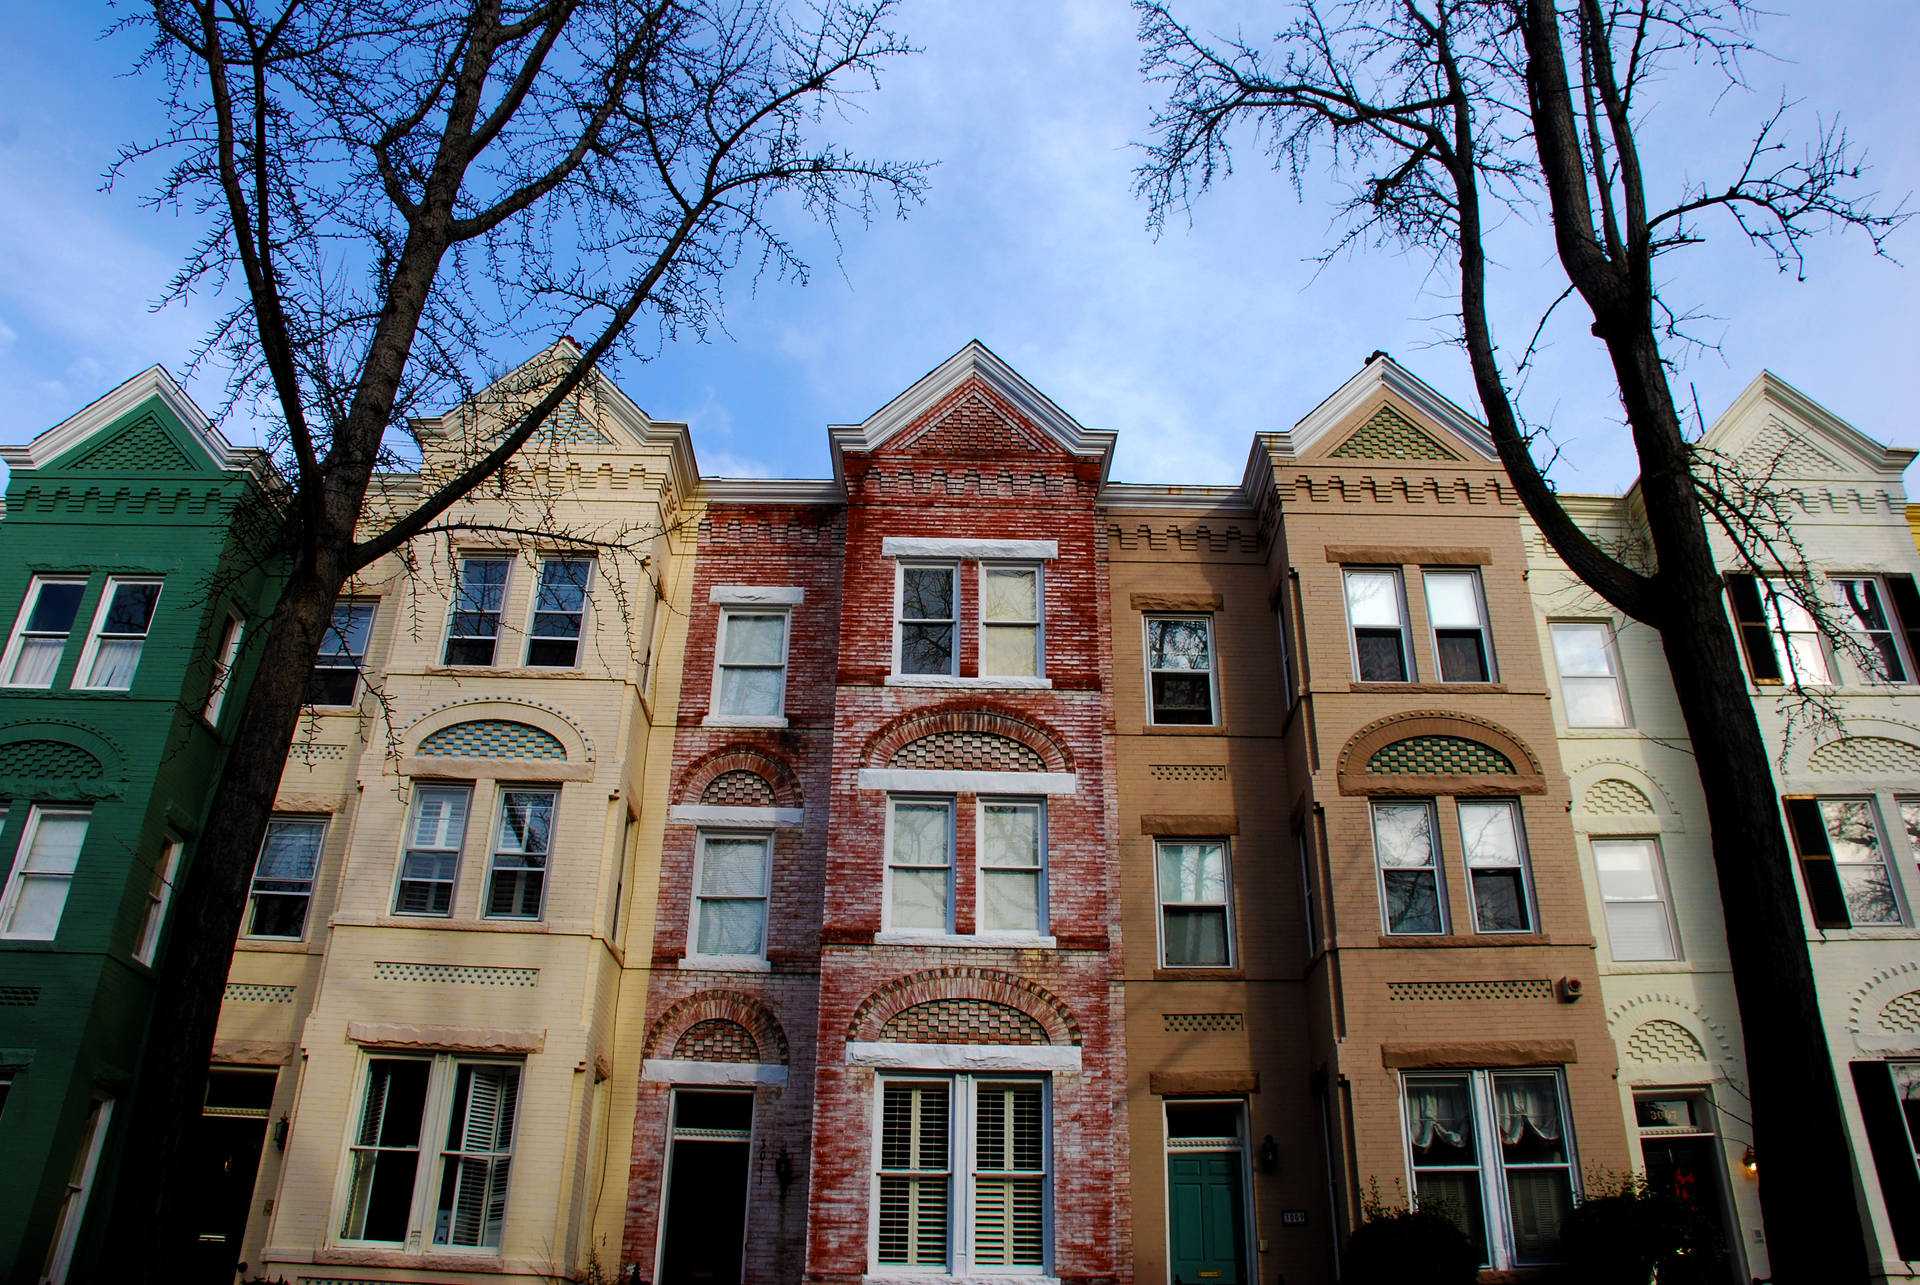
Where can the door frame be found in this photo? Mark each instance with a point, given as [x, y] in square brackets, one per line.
[666, 1169]
[1249, 1222]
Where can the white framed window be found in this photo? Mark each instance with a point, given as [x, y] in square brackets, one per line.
[517, 874]
[920, 863]
[224, 657]
[119, 633]
[1406, 848]
[335, 680]
[1180, 670]
[1196, 903]
[159, 897]
[479, 595]
[559, 613]
[1494, 841]
[1864, 610]
[283, 876]
[1634, 898]
[1377, 619]
[431, 1149]
[1592, 693]
[1012, 641]
[732, 873]
[435, 834]
[41, 632]
[750, 665]
[1493, 1151]
[1012, 852]
[73, 1205]
[927, 623]
[962, 1175]
[1457, 614]
[43, 869]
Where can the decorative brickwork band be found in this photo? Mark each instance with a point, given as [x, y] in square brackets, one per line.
[1389, 435]
[968, 752]
[698, 1017]
[969, 985]
[493, 738]
[983, 724]
[726, 770]
[963, 1021]
[1438, 752]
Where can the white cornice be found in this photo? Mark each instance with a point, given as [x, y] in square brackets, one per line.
[152, 383]
[975, 360]
[1385, 372]
[771, 490]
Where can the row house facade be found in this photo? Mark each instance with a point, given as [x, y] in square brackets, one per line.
[1837, 704]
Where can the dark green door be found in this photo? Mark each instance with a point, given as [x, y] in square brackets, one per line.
[1207, 1219]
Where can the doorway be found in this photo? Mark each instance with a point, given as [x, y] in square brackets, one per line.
[225, 1160]
[1206, 1193]
[706, 1206]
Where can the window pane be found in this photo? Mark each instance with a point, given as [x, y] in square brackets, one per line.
[926, 593]
[1453, 600]
[1196, 938]
[1178, 644]
[753, 640]
[1582, 650]
[1193, 872]
[751, 692]
[920, 834]
[734, 867]
[1010, 595]
[1010, 649]
[920, 899]
[1593, 702]
[731, 927]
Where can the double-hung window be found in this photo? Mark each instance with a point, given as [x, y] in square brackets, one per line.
[1010, 640]
[1180, 687]
[283, 877]
[962, 1183]
[224, 657]
[1457, 613]
[559, 611]
[731, 878]
[1633, 897]
[517, 877]
[1843, 861]
[435, 834]
[159, 897]
[335, 679]
[1406, 844]
[43, 869]
[1012, 852]
[119, 633]
[479, 594]
[45, 624]
[1377, 614]
[928, 620]
[752, 664]
[920, 864]
[1591, 692]
[433, 1147]
[1196, 903]
[1491, 1151]
[1495, 845]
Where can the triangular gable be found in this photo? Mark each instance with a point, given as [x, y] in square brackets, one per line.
[146, 425]
[1774, 429]
[1389, 435]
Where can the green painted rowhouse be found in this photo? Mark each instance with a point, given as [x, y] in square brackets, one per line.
[124, 576]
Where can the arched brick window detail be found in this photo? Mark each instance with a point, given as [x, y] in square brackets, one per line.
[717, 1040]
[1436, 752]
[964, 738]
[725, 773]
[698, 1017]
[964, 995]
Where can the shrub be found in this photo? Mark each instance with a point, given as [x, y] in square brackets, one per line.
[1625, 1233]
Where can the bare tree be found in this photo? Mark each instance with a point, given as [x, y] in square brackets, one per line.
[1443, 115]
[395, 191]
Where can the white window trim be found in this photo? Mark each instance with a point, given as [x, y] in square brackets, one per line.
[1666, 898]
[1526, 868]
[158, 904]
[1613, 657]
[17, 639]
[1439, 868]
[16, 875]
[461, 558]
[980, 868]
[1406, 624]
[100, 618]
[325, 823]
[1039, 674]
[961, 1143]
[1160, 906]
[954, 549]
[1213, 664]
[1485, 626]
[222, 677]
[743, 963]
[953, 859]
[900, 569]
[714, 717]
[533, 609]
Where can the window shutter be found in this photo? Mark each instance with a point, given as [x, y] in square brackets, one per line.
[1906, 609]
[1893, 1157]
[1824, 894]
[1763, 663]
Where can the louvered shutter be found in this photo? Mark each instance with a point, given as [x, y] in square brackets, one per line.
[1824, 894]
[1750, 618]
[914, 1180]
[1893, 1152]
[1906, 609]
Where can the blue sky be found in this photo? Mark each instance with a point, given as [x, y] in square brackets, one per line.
[1031, 241]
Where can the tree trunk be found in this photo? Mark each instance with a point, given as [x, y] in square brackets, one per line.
[148, 1225]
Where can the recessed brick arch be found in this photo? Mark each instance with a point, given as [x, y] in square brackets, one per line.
[702, 772]
[964, 983]
[737, 1007]
[1458, 741]
[974, 720]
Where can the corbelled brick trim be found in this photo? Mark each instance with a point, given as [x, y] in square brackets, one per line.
[973, 718]
[706, 771]
[717, 1040]
[1489, 744]
[739, 788]
[968, 752]
[963, 1021]
[761, 1027]
[978, 985]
